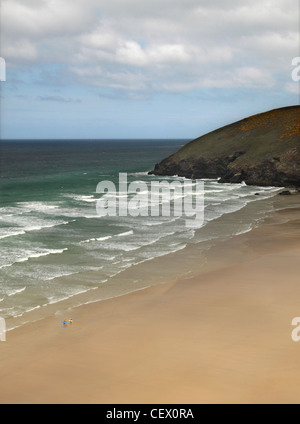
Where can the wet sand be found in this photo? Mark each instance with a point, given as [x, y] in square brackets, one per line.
[223, 336]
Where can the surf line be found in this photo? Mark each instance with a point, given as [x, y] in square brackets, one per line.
[155, 199]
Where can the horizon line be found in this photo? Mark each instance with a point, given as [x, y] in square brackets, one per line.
[93, 139]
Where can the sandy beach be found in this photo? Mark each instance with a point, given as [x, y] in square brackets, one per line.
[149, 205]
[223, 336]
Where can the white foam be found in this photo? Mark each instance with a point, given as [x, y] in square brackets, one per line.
[21, 224]
[81, 198]
[127, 233]
[88, 240]
[141, 174]
[14, 292]
[103, 238]
[47, 253]
[96, 239]
[88, 216]
[154, 224]
[115, 196]
[139, 236]
[32, 309]
[36, 206]
[19, 233]
[35, 256]
[247, 230]
[41, 227]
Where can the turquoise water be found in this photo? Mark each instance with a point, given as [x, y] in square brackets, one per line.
[55, 246]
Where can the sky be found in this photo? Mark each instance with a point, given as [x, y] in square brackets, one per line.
[130, 69]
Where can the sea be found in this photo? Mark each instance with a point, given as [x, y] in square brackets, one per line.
[56, 248]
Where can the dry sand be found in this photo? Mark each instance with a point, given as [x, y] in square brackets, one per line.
[222, 337]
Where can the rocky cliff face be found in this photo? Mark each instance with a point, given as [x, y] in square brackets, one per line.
[261, 150]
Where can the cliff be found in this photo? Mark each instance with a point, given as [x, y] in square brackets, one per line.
[261, 150]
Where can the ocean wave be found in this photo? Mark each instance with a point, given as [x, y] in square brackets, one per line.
[127, 233]
[35, 256]
[52, 300]
[116, 196]
[154, 224]
[34, 308]
[36, 206]
[96, 239]
[103, 238]
[146, 243]
[41, 227]
[89, 216]
[173, 249]
[140, 174]
[81, 198]
[47, 253]
[19, 233]
[14, 292]
[27, 226]
[245, 231]
[133, 242]
[5, 216]
[67, 274]
[88, 240]
[22, 209]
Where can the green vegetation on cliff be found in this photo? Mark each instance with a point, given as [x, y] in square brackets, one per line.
[261, 150]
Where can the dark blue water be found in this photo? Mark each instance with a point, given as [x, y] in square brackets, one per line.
[31, 170]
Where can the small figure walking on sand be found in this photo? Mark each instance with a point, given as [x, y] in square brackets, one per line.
[70, 321]
[64, 323]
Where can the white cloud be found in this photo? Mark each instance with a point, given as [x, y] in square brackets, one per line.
[44, 18]
[252, 77]
[131, 53]
[102, 37]
[20, 50]
[171, 45]
[169, 53]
